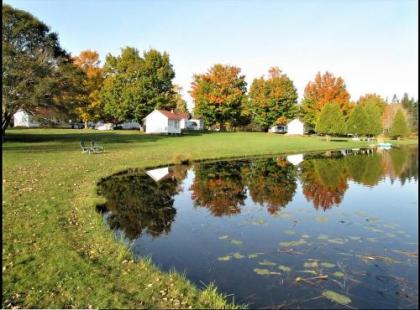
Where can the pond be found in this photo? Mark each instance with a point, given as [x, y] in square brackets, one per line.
[321, 230]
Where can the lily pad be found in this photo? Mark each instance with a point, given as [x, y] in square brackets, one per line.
[236, 242]
[336, 297]
[323, 237]
[390, 235]
[371, 239]
[354, 238]
[305, 236]
[309, 271]
[238, 255]
[224, 258]
[284, 268]
[263, 272]
[293, 243]
[289, 232]
[254, 255]
[311, 264]
[266, 263]
[259, 222]
[338, 274]
[375, 230]
[224, 237]
[391, 226]
[337, 241]
[327, 265]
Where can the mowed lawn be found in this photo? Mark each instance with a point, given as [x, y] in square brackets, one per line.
[58, 253]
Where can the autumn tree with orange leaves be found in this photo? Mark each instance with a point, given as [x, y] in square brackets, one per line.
[326, 88]
[218, 95]
[219, 187]
[90, 108]
[324, 181]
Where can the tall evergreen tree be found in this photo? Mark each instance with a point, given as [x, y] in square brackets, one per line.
[331, 120]
[358, 121]
[374, 115]
[399, 126]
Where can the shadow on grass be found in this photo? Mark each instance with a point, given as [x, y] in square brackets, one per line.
[102, 137]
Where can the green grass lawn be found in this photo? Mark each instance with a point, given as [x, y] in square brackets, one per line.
[58, 253]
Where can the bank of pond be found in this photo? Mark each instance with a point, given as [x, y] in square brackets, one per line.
[319, 230]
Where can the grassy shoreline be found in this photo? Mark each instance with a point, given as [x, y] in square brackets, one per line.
[57, 252]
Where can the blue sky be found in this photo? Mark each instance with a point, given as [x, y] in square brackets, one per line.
[372, 44]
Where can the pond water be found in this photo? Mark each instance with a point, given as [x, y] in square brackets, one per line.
[323, 230]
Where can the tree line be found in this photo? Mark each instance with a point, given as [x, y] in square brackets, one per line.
[37, 72]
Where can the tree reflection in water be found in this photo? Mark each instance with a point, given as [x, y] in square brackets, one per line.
[324, 180]
[219, 187]
[136, 203]
[272, 182]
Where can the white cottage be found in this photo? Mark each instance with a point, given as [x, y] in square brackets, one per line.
[166, 122]
[24, 119]
[295, 127]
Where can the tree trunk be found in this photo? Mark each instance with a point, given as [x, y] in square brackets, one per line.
[86, 124]
[5, 123]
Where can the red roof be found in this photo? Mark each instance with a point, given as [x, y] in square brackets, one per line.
[174, 115]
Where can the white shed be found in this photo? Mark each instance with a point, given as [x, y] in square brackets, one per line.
[23, 119]
[166, 122]
[295, 127]
[132, 124]
[195, 124]
[104, 126]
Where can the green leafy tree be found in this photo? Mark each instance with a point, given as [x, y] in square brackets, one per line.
[218, 95]
[399, 126]
[37, 72]
[272, 98]
[358, 121]
[374, 115]
[134, 86]
[331, 120]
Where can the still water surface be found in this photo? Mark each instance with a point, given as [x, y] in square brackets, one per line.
[325, 230]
